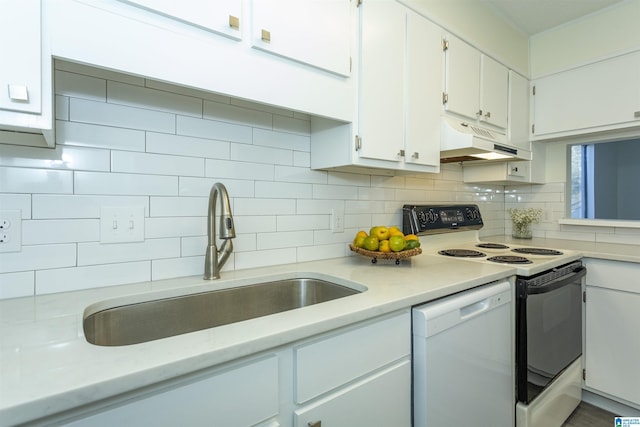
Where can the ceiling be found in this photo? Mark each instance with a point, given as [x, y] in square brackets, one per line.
[534, 16]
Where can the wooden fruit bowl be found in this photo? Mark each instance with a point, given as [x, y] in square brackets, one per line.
[375, 255]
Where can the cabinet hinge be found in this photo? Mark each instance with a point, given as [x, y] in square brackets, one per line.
[445, 44]
[533, 90]
[584, 374]
[445, 97]
[584, 296]
[358, 143]
[358, 3]
[533, 128]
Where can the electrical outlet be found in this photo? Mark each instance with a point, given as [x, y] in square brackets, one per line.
[337, 220]
[10, 231]
[122, 224]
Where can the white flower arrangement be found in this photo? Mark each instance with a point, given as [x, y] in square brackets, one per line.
[522, 218]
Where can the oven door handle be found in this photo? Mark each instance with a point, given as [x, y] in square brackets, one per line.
[577, 274]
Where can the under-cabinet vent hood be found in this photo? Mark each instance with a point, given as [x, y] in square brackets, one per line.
[461, 141]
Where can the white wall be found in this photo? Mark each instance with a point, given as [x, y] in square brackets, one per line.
[124, 140]
[609, 32]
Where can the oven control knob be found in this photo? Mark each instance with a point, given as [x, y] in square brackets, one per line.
[431, 216]
[473, 213]
[422, 218]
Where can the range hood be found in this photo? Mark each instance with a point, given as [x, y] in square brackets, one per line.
[461, 141]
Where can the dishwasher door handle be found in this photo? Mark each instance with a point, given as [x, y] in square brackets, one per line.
[474, 309]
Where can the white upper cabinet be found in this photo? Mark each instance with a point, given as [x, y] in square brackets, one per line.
[476, 86]
[519, 134]
[314, 32]
[25, 75]
[600, 96]
[399, 79]
[222, 16]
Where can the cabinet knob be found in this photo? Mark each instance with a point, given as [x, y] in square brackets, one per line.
[266, 36]
[19, 93]
[479, 113]
[401, 153]
[488, 115]
[315, 423]
[415, 155]
[234, 22]
[636, 114]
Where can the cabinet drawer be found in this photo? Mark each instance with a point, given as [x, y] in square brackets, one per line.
[335, 360]
[383, 399]
[619, 275]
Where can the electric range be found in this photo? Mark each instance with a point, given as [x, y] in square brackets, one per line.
[452, 231]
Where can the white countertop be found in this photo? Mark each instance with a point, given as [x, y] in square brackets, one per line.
[46, 366]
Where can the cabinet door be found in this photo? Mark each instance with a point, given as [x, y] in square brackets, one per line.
[462, 83]
[381, 79]
[423, 91]
[315, 32]
[221, 16]
[494, 92]
[602, 94]
[384, 399]
[20, 48]
[519, 111]
[612, 345]
[242, 396]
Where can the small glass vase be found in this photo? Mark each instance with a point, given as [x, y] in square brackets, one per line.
[522, 231]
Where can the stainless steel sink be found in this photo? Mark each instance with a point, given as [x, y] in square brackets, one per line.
[160, 318]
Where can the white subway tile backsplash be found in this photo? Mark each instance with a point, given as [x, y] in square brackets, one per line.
[175, 227]
[101, 73]
[235, 114]
[78, 206]
[302, 222]
[284, 239]
[300, 124]
[259, 206]
[267, 257]
[177, 267]
[245, 243]
[295, 174]
[77, 278]
[61, 157]
[318, 206]
[156, 164]
[125, 184]
[16, 202]
[96, 253]
[38, 257]
[286, 141]
[38, 232]
[62, 108]
[88, 135]
[350, 179]
[256, 223]
[239, 170]
[179, 145]
[202, 187]
[260, 107]
[317, 252]
[23, 180]
[15, 285]
[257, 154]
[301, 159]
[212, 129]
[341, 192]
[178, 206]
[80, 86]
[283, 190]
[123, 116]
[148, 98]
[193, 246]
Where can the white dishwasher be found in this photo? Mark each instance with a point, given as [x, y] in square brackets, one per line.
[463, 359]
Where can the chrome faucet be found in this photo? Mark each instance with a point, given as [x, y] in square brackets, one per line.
[214, 259]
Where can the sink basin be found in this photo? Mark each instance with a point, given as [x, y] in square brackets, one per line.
[160, 318]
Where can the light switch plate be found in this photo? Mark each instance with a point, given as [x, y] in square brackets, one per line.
[122, 224]
[10, 231]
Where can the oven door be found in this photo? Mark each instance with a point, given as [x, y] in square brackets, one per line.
[548, 327]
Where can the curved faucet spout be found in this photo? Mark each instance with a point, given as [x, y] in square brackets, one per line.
[214, 259]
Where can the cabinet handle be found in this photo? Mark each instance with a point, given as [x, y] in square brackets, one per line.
[315, 423]
[488, 115]
[234, 22]
[415, 155]
[18, 93]
[479, 113]
[401, 153]
[636, 114]
[266, 36]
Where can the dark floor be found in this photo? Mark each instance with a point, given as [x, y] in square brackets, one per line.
[586, 415]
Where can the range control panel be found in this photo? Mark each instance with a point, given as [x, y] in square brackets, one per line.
[432, 219]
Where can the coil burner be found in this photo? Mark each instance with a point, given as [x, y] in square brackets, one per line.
[492, 246]
[462, 253]
[536, 251]
[510, 259]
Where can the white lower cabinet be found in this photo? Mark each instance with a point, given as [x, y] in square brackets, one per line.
[612, 342]
[359, 375]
